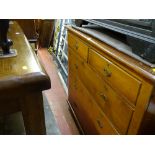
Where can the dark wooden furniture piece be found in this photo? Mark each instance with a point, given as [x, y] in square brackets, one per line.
[38, 31]
[29, 27]
[22, 81]
[46, 32]
[109, 92]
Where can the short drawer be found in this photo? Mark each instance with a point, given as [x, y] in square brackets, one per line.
[78, 46]
[119, 79]
[71, 60]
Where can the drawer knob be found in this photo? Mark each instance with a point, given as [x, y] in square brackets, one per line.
[99, 123]
[104, 97]
[76, 46]
[107, 72]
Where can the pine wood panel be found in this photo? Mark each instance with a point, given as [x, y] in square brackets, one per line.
[122, 60]
[78, 46]
[115, 76]
[104, 95]
[123, 81]
[94, 122]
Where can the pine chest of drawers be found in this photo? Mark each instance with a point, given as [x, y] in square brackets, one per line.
[109, 92]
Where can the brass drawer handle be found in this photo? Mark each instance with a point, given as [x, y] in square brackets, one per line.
[100, 124]
[104, 97]
[76, 46]
[107, 72]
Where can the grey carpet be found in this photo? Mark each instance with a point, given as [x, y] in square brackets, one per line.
[13, 124]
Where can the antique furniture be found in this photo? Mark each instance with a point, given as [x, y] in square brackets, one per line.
[29, 27]
[22, 80]
[109, 91]
[5, 43]
[46, 30]
[38, 31]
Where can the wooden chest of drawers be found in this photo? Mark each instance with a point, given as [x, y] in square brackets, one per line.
[109, 92]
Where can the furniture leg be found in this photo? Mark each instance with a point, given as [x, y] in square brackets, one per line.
[33, 114]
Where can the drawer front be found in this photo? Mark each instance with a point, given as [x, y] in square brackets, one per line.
[101, 122]
[71, 61]
[80, 113]
[84, 105]
[78, 46]
[126, 84]
[79, 108]
[72, 69]
[110, 102]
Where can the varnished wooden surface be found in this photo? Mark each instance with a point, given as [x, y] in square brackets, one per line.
[24, 62]
[78, 46]
[103, 94]
[90, 115]
[33, 113]
[24, 70]
[123, 59]
[46, 30]
[22, 80]
[125, 84]
[115, 76]
[29, 27]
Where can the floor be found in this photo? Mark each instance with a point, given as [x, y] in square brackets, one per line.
[58, 118]
[57, 96]
[13, 124]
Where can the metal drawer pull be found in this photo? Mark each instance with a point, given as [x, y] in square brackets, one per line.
[104, 97]
[76, 46]
[107, 72]
[99, 123]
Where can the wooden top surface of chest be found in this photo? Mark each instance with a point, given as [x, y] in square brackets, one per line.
[111, 53]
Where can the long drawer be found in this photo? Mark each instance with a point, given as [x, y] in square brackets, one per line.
[90, 116]
[78, 46]
[80, 113]
[110, 102]
[126, 84]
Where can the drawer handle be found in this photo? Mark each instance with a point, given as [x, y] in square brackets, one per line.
[107, 72]
[76, 46]
[104, 97]
[99, 123]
